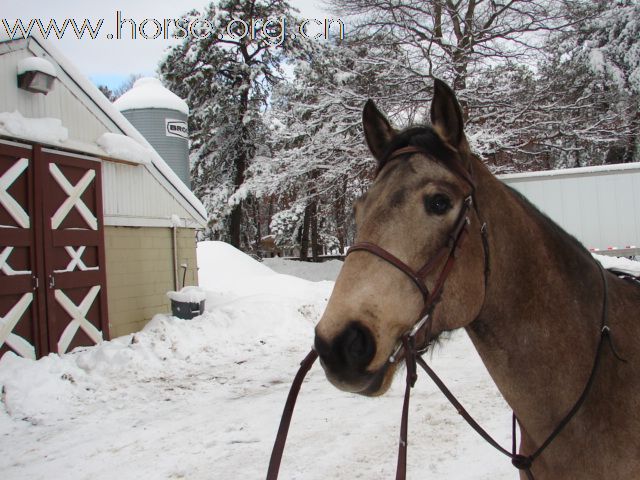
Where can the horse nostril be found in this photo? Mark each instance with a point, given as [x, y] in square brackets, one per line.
[356, 346]
[350, 352]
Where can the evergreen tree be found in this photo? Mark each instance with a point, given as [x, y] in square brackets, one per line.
[225, 73]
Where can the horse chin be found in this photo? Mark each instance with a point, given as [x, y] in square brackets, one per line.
[370, 384]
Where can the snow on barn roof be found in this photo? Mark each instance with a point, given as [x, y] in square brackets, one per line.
[106, 146]
[148, 92]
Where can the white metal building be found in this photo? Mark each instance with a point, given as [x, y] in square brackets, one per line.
[598, 205]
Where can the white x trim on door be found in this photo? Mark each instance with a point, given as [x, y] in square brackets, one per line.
[4, 264]
[73, 200]
[78, 318]
[76, 261]
[8, 323]
[13, 207]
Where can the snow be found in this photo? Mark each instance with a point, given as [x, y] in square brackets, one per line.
[202, 398]
[619, 264]
[188, 295]
[45, 130]
[124, 148]
[36, 64]
[176, 221]
[148, 92]
[309, 271]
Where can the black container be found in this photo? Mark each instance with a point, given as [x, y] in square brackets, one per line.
[186, 310]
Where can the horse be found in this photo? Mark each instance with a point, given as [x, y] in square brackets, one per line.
[536, 305]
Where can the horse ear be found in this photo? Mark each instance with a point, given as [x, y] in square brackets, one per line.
[446, 114]
[377, 130]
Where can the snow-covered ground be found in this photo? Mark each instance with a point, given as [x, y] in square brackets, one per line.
[201, 399]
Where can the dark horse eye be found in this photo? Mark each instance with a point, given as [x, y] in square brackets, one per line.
[437, 204]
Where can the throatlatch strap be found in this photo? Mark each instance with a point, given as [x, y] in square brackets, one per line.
[287, 413]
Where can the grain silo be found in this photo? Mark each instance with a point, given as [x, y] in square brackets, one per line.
[161, 117]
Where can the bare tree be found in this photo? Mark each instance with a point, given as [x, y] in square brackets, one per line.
[452, 39]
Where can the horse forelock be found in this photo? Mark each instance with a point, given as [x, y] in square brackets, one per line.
[424, 137]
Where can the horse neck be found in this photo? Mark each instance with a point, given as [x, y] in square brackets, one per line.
[539, 325]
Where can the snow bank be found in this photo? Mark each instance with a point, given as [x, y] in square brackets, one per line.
[240, 324]
[148, 92]
[314, 272]
[45, 130]
[619, 264]
[228, 274]
[219, 261]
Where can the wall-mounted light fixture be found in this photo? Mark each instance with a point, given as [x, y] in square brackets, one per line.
[36, 74]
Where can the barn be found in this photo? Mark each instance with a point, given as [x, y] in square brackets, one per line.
[95, 227]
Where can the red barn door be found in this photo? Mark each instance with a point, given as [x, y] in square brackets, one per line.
[19, 327]
[53, 293]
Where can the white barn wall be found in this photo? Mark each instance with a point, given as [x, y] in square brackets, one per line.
[598, 205]
[134, 192]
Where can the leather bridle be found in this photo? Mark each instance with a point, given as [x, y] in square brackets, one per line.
[422, 326]
[413, 354]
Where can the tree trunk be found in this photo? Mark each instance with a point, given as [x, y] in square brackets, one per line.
[315, 239]
[304, 236]
[339, 215]
[235, 222]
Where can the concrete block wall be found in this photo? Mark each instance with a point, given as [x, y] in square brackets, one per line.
[139, 264]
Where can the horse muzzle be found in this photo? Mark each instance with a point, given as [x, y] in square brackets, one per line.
[345, 359]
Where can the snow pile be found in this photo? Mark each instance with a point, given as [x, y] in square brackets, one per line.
[313, 272]
[220, 262]
[228, 274]
[148, 92]
[124, 148]
[196, 398]
[619, 264]
[44, 130]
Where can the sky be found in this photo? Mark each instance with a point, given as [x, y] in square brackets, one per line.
[110, 61]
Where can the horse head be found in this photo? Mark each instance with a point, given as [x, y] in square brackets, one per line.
[421, 194]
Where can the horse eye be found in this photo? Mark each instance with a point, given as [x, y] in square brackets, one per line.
[437, 204]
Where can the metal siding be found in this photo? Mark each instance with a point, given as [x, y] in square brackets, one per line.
[623, 191]
[150, 122]
[134, 192]
[602, 209]
[591, 224]
[60, 103]
[572, 207]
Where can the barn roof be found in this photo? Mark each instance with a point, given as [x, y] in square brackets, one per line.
[94, 127]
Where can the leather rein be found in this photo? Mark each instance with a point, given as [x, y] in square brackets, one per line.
[413, 353]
